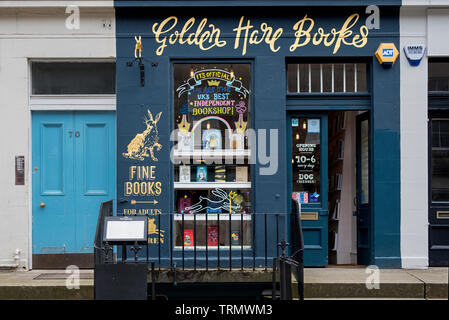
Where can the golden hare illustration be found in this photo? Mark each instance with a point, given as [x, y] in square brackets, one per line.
[146, 141]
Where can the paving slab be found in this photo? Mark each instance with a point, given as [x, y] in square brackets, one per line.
[21, 285]
[435, 280]
[320, 283]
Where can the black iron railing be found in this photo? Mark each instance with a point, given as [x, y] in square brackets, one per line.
[205, 241]
[223, 241]
[106, 210]
[215, 241]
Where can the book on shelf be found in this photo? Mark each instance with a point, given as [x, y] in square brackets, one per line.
[343, 121]
[188, 238]
[184, 142]
[183, 203]
[341, 149]
[212, 235]
[214, 204]
[220, 173]
[201, 174]
[184, 174]
[238, 141]
[211, 139]
[336, 211]
[335, 247]
[339, 181]
[241, 174]
[235, 237]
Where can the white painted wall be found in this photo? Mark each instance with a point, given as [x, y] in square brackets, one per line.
[437, 32]
[26, 34]
[414, 160]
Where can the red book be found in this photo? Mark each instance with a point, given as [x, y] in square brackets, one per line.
[188, 237]
[212, 235]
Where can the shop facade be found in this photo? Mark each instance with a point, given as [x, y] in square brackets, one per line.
[240, 111]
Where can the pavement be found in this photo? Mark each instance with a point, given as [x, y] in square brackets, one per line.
[329, 283]
[320, 283]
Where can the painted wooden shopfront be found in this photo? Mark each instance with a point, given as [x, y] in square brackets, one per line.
[204, 64]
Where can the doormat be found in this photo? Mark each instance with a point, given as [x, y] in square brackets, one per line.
[62, 276]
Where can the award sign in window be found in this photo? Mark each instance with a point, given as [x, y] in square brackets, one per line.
[306, 159]
[211, 155]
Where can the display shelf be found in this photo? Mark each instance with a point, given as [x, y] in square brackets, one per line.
[201, 154]
[214, 248]
[212, 217]
[212, 185]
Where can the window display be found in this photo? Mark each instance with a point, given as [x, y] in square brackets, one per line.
[211, 153]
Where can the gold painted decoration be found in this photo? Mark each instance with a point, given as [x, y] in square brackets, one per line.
[146, 141]
[240, 125]
[138, 47]
[153, 230]
[206, 35]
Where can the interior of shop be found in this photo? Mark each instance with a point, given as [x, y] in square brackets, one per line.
[342, 185]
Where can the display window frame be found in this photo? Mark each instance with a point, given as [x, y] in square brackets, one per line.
[244, 221]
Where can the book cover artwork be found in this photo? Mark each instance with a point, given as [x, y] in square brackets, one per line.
[212, 235]
[212, 139]
[241, 174]
[184, 142]
[184, 174]
[220, 173]
[201, 174]
[188, 237]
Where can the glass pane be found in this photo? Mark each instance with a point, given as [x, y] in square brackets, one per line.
[306, 159]
[440, 160]
[292, 82]
[338, 77]
[304, 78]
[350, 85]
[361, 77]
[73, 78]
[327, 78]
[364, 157]
[438, 76]
[315, 80]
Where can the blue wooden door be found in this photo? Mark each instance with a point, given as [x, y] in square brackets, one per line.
[73, 171]
[308, 181]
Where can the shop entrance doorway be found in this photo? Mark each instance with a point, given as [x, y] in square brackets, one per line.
[73, 171]
[330, 176]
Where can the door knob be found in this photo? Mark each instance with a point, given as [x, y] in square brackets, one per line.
[42, 204]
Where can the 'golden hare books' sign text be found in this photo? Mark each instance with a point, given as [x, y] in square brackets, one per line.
[305, 32]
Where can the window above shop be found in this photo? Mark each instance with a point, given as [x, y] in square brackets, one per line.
[326, 77]
[72, 78]
[438, 76]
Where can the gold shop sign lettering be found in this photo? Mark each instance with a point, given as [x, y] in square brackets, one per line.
[142, 182]
[207, 36]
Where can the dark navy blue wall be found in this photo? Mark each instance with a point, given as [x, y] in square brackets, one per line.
[268, 98]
